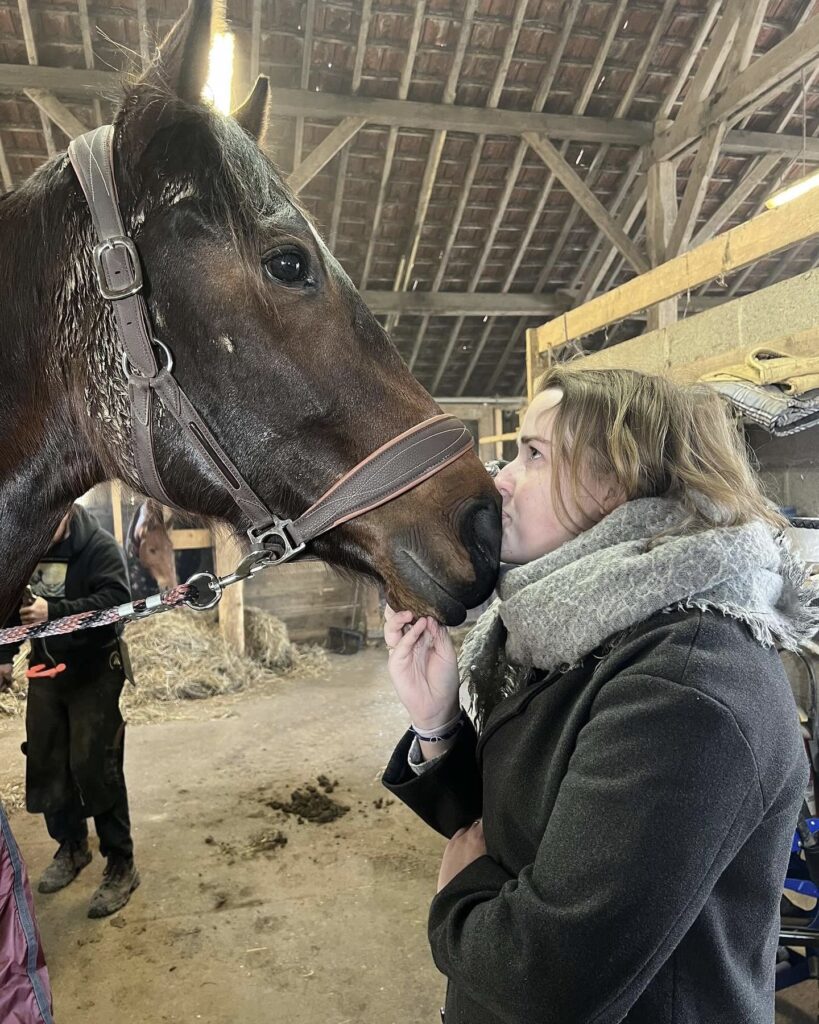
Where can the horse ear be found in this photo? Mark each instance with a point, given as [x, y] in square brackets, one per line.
[252, 114]
[181, 66]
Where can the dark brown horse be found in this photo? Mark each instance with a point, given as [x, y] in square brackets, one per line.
[270, 339]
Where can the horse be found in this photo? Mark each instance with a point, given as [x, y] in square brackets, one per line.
[270, 339]
[149, 550]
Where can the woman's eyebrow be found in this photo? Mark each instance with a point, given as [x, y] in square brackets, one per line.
[528, 440]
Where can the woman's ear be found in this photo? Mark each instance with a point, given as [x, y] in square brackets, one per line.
[613, 497]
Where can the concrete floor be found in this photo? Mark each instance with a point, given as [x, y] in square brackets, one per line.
[330, 927]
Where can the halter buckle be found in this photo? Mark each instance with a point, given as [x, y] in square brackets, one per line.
[118, 291]
[279, 541]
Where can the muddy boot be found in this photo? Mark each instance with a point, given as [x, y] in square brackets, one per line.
[119, 880]
[68, 862]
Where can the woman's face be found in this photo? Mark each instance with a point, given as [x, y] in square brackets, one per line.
[531, 526]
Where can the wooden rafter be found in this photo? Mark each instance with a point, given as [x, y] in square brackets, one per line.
[31, 52]
[88, 51]
[586, 199]
[569, 16]
[436, 149]
[597, 164]
[579, 109]
[769, 233]
[661, 215]
[5, 170]
[403, 89]
[750, 181]
[324, 152]
[145, 48]
[495, 92]
[767, 75]
[412, 114]
[727, 56]
[255, 40]
[459, 304]
[358, 66]
[48, 104]
[761, 170]
[306, 58]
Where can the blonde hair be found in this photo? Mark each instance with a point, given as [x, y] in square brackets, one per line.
[652, 438]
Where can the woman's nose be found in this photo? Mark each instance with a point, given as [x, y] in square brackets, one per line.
[505, 480]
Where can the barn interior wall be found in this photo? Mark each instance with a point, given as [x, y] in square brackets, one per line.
[781, 313]
[789, 467]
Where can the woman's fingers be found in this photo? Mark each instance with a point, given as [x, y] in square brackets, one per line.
[404, 646]
[394, 625]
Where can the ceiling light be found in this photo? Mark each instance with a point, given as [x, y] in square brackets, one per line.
[218, 87]
[793, 191]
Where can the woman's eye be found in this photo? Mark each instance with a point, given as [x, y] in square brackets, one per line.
[533, 452]
[288, 266]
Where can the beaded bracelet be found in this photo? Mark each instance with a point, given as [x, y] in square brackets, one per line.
[443, 732]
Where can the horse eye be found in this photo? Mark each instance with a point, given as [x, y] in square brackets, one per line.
[287, 265]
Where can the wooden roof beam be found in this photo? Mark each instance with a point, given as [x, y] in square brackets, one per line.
[51, 107]
[769, 233]
[727, 56]
[5, 170]
[750, 181]
[358, 66]
[766, 76]
[324, 152]
[570, 13]
[309, 16]
[255, 40]
[586, 199]
[436, 149]
[495, 93]
[403, 90]
[410, 114]
[459, 304]
[31, 51]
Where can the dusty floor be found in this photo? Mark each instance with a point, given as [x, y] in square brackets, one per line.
[329, 927]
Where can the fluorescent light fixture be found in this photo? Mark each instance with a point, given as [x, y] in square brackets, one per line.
[220, 72]
[793, 191]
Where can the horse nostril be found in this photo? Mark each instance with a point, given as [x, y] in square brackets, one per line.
[480, 529]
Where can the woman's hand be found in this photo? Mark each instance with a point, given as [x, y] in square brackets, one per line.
[465, 846]
[423, 668]
[37, 611]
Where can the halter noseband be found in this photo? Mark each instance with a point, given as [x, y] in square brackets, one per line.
[396, 467]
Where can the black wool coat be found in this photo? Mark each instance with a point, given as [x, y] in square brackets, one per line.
[638, 812]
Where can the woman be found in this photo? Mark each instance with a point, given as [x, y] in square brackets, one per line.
[622, 808]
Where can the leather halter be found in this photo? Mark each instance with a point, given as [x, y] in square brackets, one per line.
[394, 468]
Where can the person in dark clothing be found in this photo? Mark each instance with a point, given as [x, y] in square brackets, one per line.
[621, 800]
[74, 729]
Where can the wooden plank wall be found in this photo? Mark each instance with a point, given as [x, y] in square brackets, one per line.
[309, 597]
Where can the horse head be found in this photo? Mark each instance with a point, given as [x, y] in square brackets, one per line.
[271, 342]
[153, 546]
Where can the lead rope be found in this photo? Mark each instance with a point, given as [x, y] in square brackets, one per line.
[201, 592]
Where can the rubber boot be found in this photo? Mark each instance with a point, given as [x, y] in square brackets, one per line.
[69, 860]
[119, 880]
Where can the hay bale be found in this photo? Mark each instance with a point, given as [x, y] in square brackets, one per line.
[12, 796]
[267, 641]
[180, 656]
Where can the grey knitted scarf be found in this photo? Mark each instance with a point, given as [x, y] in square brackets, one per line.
[554, 611]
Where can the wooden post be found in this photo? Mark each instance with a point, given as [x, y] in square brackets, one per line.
[116, 511]
[661, 214]
[497, 415]
[227, 554]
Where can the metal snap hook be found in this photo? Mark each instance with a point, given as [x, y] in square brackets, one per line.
[197, 603]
